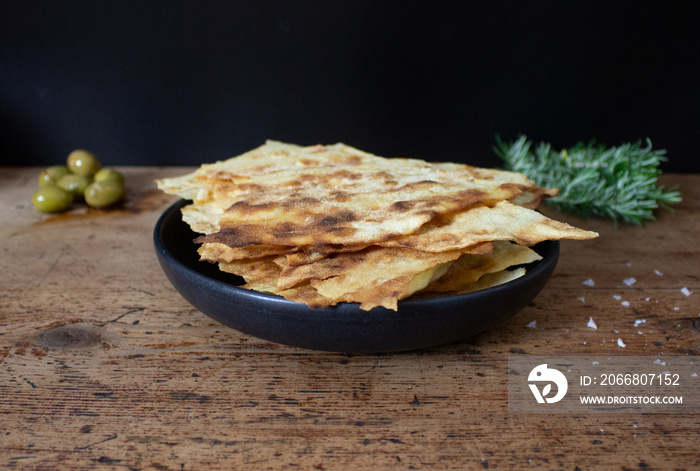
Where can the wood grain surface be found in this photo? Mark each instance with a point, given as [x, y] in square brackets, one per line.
[103, 365]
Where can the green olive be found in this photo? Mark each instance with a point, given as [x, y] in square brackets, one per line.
[53, 174]
[52, 199]
[76, 184]
[109, 174]
[103, 194]
[82, 162]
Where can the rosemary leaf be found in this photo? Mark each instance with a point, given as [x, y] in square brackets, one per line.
[619, 183]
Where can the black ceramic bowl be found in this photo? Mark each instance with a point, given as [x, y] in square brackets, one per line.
[345, 327]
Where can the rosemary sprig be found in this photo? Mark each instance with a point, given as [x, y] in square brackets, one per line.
[595, 181]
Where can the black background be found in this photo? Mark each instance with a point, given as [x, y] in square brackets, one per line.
[186, 82]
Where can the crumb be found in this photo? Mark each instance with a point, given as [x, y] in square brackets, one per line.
[621, 343]
[582, 299]
[591, 323]
[639, 321]
[625, 303]
[629, 281]
[686, 291]
[588, 282]
[658, 273]
[532, 324]
[617, 297]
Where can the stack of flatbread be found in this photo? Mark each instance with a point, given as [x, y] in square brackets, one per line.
[322, 225]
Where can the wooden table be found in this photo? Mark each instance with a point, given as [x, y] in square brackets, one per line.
[103, 364]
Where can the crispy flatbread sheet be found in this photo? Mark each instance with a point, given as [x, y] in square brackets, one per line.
[286, 255]
[262, 270]
[492, 279]
[532, 197]
[296, 269]
[376, 277]
[373, 277]
[387, 293]
[503, 221]
[487, 281]
[281, 218]
[217, 252]
[282, 163]
[261, 275]
[289, 257]
[204, 218]
[469, 268]
[356, 269]
[282, 194]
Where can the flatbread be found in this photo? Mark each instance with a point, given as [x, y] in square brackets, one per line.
[323, 225]
[282, 194]
[502, 221]
[489, 280]
[469, 268]
[350, 216]
[282, 163]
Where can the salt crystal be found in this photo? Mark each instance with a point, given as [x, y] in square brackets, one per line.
[595, 363]
[588, 282]
[625, 303]
[582, 299]
[532, 324]
[584, 343]
[686, 291]
[676, 308]
[658, 273]
[694, 375]
[639, 321]
[647, 299]
[617, 297]
[659, 362]
[621, 343]
[629, 281]
[591, 323]
[640, 332]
